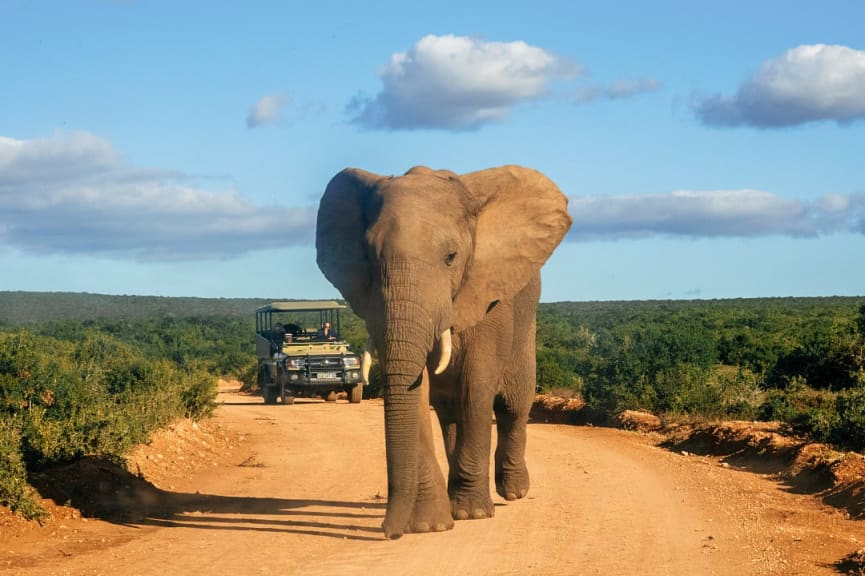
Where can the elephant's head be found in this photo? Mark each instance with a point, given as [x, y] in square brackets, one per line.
[424, 254]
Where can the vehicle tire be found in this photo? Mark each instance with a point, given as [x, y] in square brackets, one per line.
[270, 394]
[355, 395]
[330, 396]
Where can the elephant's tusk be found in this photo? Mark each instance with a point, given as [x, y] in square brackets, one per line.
[366, 360]
[445, 358]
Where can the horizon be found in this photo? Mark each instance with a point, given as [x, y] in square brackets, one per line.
[341, 299]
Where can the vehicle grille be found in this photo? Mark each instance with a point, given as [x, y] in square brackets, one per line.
[324, 363]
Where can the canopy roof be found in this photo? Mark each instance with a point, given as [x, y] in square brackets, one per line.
[302, 306]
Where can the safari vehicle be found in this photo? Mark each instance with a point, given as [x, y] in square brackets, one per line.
[297, 360]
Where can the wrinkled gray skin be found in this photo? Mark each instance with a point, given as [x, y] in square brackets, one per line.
[431, 251]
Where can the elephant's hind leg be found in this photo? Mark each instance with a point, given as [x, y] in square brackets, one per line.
[512, 408]
[512, 475]
[514, 401]
[465, 422]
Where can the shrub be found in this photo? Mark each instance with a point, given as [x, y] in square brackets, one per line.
[15, 493]
[807, 411]
[198, 394]
[740, 392]
[248, 375]
[683, 389]
[849, 429]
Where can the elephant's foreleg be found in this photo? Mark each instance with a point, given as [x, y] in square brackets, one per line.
[432, 511]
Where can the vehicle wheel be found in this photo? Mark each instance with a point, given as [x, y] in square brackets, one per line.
[330, 397]
[355, 395]
[270, 394]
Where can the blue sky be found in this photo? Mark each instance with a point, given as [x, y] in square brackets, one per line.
[180, 148]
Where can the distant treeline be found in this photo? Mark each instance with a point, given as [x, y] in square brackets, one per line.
[37, 307]
[84, 374]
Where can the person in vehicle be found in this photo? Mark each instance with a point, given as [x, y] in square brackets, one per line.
[326, 332]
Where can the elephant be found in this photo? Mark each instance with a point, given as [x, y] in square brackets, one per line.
[445, 271]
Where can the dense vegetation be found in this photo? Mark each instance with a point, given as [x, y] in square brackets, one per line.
[84, 374]
[70, 388]
[800, 361]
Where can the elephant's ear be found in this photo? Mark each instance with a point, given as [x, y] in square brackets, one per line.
[339, 236]
[522, 218]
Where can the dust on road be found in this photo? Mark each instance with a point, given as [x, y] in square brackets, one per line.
[301, 490]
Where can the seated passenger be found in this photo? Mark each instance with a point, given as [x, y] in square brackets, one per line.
[326, 332]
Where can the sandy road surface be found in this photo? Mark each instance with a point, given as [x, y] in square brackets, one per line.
[301, 492]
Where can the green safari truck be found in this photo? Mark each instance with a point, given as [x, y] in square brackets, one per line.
[301, 353]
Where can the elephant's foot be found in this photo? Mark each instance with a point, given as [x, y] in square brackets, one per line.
[471, 506]
[428, 514]
[512, 484]
[432, 515]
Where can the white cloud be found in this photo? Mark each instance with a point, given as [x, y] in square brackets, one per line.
[721, 213]
[63, 156]
[807, 84]
[72, 194]
[458, 83]
[265, 111]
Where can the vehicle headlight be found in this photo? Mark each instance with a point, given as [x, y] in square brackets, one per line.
[350, 362]
[295, 363]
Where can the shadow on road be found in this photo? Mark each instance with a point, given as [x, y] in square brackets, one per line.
[104, 490]
[326, 518]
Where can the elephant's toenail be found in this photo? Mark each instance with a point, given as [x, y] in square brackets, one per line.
[479, 513]
[461, 514]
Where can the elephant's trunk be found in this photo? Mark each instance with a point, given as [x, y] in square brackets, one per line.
[401, 441]
[406, 342]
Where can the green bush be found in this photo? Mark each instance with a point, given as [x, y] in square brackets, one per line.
[807, 411]
[849, 429]
[199, 394]
[685, 389]
[248, 375]
[61, 400]
[15, 493]
[741, 395]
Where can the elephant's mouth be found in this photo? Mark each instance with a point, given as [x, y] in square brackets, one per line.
[446, 347]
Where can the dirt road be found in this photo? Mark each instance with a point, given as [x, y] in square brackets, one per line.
[300, 490]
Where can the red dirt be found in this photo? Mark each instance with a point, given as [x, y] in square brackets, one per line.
[300, 490]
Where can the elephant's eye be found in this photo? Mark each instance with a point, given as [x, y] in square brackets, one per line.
[449, 259]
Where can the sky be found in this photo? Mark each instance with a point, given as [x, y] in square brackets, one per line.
[708, 150]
